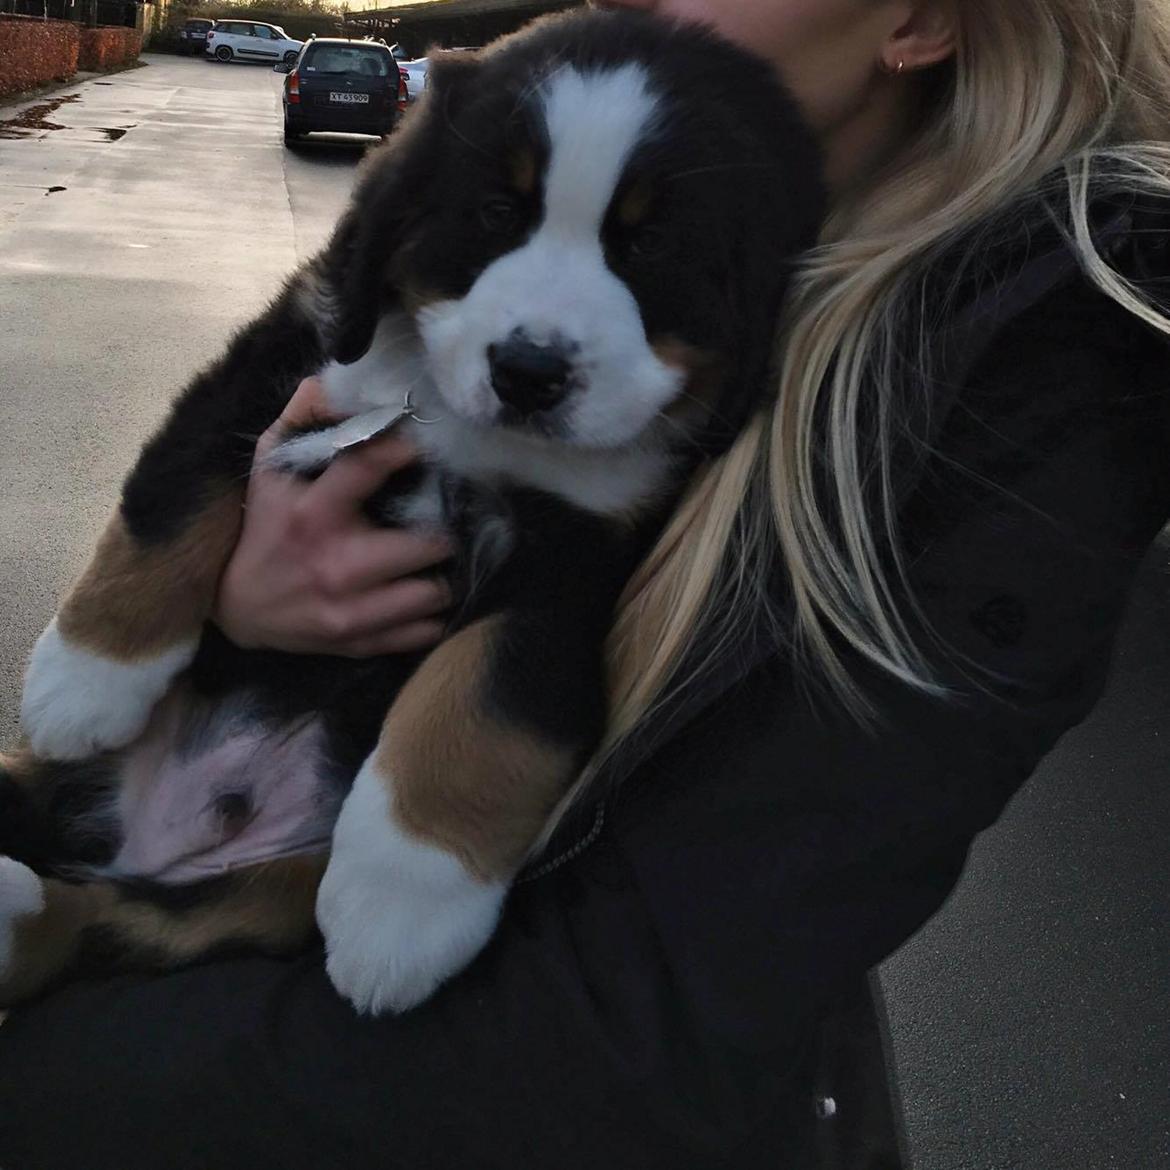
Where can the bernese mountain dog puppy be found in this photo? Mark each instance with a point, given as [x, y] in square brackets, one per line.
[561, 279]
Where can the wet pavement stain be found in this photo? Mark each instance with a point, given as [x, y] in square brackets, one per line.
[28, 122]
[35, 118]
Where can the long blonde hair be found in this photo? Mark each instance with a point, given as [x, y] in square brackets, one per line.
[1037, 88]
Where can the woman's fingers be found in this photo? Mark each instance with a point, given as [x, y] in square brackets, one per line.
[351, 479]
[311, 574]
[365, 558]
[401, 603]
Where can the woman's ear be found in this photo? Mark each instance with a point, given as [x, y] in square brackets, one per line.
[928, 37]
[394, 192]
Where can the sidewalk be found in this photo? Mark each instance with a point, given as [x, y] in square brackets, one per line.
[51, 88]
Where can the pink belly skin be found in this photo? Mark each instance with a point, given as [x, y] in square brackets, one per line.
[194, 804]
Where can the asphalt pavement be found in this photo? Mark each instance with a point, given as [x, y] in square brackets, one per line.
[1031, 1019]
[159, 215]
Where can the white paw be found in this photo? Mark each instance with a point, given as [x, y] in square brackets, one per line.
[304, 453]
[398, 915]
[317, 449]
[21, 894]
[77, 703]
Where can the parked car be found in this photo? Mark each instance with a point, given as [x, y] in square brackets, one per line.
[354, 87]
[248, 40]
[193, 35]
[416, 77]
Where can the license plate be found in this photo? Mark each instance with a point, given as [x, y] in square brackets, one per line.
[359, 99]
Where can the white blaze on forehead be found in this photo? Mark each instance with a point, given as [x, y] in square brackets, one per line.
[556, 288]
[594, 123]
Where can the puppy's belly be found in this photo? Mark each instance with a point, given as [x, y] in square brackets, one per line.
[193, 805]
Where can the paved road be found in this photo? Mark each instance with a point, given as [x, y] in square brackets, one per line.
[1031, 1019]
[177, 213]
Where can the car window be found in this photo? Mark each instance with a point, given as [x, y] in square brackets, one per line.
[265, 33]
[348, 59]
[278, 34]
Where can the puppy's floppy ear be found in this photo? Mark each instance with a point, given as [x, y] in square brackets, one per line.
[449, 72]
[395, 190]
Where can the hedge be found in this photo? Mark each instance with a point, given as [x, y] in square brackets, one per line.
[108, 48]
[34, 51]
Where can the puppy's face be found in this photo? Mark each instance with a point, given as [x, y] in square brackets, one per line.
[583, 259]
[532, 279]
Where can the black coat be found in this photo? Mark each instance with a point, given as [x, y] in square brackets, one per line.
[651, 993]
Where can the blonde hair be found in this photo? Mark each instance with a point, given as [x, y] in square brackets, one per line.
[1072, 88]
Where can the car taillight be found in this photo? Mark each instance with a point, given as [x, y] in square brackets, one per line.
[403, 92]
[294, 89]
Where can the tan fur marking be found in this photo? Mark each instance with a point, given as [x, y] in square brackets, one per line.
[44, 944]
[19, 766]
[133, 602]
[700, 393]
[460, 778]
[523, 171]
[414, 299]
[270, 906]
[635, 205]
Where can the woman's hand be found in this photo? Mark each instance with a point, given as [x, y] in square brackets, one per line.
[310, 574]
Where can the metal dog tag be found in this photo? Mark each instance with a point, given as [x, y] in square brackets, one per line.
[364, 427]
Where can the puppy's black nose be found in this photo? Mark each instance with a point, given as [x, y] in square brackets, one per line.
[528, 377]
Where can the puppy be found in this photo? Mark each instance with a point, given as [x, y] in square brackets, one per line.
[561, 280]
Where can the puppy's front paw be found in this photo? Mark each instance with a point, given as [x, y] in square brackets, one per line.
[399, 916]
[22, 895]
[315, 450]
[77, 703]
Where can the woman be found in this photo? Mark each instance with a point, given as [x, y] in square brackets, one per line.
[865, 627]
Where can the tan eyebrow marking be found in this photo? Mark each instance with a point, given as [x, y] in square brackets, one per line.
[523, 171]
[635, 204]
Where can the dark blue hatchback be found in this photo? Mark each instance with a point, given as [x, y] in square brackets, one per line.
[353, 87]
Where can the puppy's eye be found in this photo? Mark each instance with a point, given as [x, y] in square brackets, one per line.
[499, 215]
[649, 243]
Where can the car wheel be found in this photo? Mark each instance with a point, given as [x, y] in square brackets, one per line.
[223, 53]
[290, 56]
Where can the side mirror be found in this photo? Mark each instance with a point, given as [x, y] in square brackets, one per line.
[282, 67]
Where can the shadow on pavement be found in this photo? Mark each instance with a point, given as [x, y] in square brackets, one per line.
[333, 150]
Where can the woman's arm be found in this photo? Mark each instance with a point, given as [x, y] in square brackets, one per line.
[311, 575]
